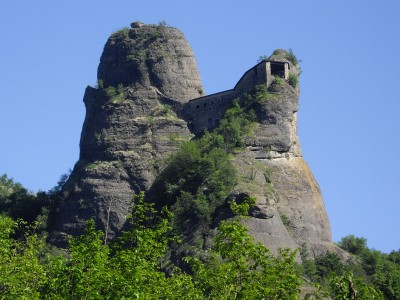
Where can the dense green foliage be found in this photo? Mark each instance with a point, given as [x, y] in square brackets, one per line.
[132, 266]
[247, 270]
[199, 176]
[370, 274]
[19, 203]
[20, 269]
[338, 280]
[353, 244]
[382, 270]
[236, 125]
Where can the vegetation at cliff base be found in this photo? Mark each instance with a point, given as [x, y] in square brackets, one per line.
[20, 204]
[131, 267]
[370, 274]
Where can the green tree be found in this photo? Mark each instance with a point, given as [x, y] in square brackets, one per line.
[347, 287]
[328, 265]
[84, 274]
[236, 125]
[384, 273]
[292, 57]
[353, 244]
[141, 254]
[22, 275]
[239, 268]
[197, 180]
[17, 202]
[131, 268]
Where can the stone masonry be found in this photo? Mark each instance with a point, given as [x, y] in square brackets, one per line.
[205, 112]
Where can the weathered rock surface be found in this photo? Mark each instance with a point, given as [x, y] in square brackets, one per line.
[289, 209]
[277, 115]
[151, 55]
[274, 171]
[129, 130]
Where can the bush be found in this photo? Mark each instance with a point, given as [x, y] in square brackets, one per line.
[260, 94]
[293, 80]
[236, 125]
[279, 81]
[353, 244]
[122, 33]
[290, 56]
[116, 95]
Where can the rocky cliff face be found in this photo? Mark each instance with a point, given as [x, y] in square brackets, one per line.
[151, 55]
[289, 209]
[129, 130]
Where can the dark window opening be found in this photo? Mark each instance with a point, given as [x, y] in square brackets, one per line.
[205, 105]
[197, 106]
[278, 69]
[210, 123]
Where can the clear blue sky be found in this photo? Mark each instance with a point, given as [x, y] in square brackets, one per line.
[348, 119]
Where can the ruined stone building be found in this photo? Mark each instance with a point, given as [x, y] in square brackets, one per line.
[205, 112]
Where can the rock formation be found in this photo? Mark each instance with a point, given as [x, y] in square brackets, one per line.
[128, 128]
[274, 171]
[147, 100]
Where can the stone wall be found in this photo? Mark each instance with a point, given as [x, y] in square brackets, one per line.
[204, 113]
[255, 76]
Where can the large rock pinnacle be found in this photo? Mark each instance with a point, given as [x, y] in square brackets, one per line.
[151, 55]
[130, 125]
[275, 173]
